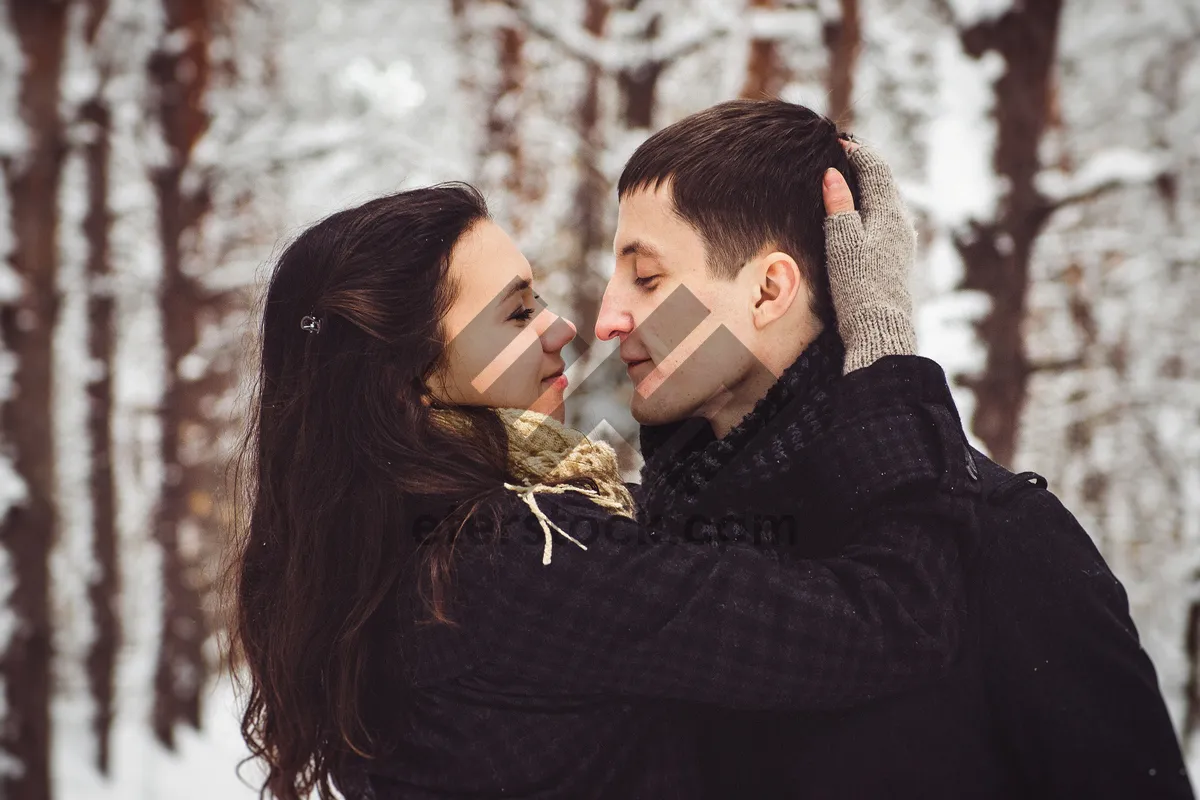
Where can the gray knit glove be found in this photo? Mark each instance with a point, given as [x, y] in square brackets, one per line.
[870, 258]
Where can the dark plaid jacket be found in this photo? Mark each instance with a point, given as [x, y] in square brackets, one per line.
[575, 679]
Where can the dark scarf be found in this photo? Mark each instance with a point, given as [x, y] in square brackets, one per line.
[701, 488]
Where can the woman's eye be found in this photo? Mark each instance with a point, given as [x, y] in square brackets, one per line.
[522, 314]
[646, 283]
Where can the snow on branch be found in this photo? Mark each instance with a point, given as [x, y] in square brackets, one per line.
[1108, 170]
[680, 42]
[572, 39]
[629, 53]
[801, 24]
[964, 14]
[1056, 366]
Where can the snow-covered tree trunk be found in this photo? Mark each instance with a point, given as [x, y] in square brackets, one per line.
[996, 253]
[766, 72]
[494, 74]
[1115, 288]
[843, 37]
[181, 71]
[592, 190]
[103, 590]
[32, 167]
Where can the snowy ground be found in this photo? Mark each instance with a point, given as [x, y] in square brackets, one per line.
[205, 766]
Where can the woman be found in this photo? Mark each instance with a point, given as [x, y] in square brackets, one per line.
[440, 595]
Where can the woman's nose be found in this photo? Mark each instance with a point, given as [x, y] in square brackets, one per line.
[554, 331]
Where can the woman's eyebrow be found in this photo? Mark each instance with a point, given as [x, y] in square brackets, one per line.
[516, 287]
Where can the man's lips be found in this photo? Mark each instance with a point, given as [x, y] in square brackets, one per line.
[639, 365]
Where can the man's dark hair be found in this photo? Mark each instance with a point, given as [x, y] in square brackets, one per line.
[746, 175]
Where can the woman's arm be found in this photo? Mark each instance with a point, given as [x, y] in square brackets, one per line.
[637, 616]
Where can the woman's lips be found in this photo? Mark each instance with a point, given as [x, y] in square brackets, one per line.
[556, 381]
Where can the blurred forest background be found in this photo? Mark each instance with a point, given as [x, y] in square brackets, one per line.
[156, 152]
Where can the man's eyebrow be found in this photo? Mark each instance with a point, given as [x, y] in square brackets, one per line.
[638, 248]
[516, 287]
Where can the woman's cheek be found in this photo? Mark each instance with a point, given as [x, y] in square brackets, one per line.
[510, 387]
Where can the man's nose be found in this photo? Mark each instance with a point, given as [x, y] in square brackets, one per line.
[613, 320]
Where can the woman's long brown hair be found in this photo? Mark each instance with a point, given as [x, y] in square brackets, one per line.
[340, 449]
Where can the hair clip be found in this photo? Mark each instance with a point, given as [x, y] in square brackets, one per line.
[311, 324]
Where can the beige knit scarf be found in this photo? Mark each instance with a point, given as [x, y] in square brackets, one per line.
[547, 457]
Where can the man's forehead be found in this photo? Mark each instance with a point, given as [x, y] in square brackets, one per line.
[646, 221]
[649, 198]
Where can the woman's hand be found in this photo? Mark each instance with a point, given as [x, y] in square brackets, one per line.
[870, 256]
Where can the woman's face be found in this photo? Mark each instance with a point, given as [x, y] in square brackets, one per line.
[503, 346]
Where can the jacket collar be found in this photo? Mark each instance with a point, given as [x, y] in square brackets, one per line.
[688, 470]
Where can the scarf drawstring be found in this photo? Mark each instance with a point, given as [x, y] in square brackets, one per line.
[528, 493]
[546, 457]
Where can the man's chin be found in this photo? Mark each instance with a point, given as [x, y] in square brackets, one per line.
[650, 411]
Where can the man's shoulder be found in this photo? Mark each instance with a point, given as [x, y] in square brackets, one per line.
[1029, 542]
[1020, 500]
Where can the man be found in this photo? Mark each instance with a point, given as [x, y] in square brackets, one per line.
[720, 301]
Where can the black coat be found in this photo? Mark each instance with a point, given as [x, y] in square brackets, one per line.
[577, 679]
[1050, 696]
[1073, 697]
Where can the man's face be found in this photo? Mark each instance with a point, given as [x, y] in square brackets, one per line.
[681, 329]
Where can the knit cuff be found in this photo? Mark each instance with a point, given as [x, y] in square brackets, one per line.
[873, 332]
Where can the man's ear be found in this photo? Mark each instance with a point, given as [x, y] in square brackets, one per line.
[780, 287]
